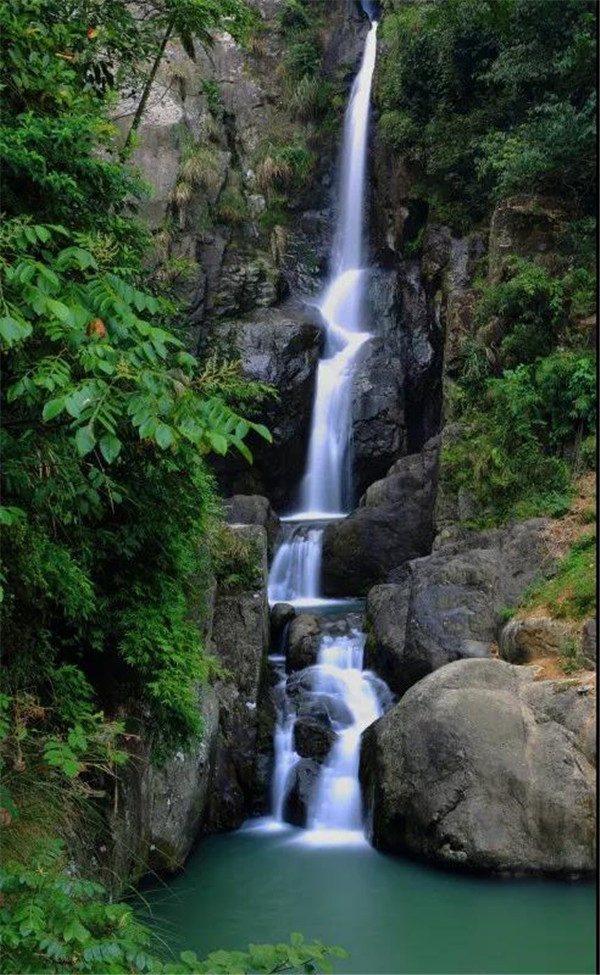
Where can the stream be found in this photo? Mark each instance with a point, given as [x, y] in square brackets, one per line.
[270, 878]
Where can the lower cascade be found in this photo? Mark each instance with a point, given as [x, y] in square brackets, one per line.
[334, 696]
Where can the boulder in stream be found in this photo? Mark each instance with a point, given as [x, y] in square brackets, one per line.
[302, 785]
[477, 767]
[302, 642]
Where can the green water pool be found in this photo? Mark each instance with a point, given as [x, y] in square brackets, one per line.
[393, 915]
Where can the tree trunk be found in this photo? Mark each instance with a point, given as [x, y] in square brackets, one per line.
[137, 118]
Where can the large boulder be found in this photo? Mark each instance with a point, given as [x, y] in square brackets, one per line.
[393, 524]
[447, 606]
[302, 642]
[477, 768]
[252, 509]
[281, 350]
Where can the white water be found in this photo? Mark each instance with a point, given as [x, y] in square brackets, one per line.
[337, 804]
[326, 490]
[334, 813]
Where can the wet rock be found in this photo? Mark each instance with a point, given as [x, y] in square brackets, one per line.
[302, 784]
[252, 509]
[386, 618]
[327, 709]
[393, 524]
[312, 739]
[281, 615]
[447, 606]
[302, 642]
[470, 771]
[282, 352]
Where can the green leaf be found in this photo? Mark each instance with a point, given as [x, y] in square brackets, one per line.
[85, 440]
[218, 442]
[10, 514]
[164, 436]
[110, 447]
[263, 432]
[59, 310]
[12, 330]
[80, 399]
[53, 407]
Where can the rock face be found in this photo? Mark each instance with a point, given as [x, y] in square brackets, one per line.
[525, 226]
[240, 638]
[282, 352]
[589, 642]
[393, 524]
[447, 605]
[282, 615]
[252, 509]
[477, 767]
[158, 812]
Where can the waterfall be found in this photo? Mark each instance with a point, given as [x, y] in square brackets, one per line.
[326, 489]
[353, 698]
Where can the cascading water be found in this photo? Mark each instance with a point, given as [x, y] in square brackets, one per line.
[325, 491]
[355, 698]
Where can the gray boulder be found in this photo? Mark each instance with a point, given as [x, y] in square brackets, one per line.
[253, 509]
[393, 524]
[447, 605]
[474, 769]
[302, 785]
[302, 642]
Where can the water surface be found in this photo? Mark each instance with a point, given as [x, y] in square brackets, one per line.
[393, 916]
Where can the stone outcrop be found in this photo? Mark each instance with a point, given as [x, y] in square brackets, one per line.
[240, 638]
[448, 605]
[252, 509]
[282, 351]
[393, 524]
[304, 778]
[159, 810]
[282, 615]
[481, 767]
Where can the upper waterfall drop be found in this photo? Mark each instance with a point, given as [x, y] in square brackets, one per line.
[326, 489]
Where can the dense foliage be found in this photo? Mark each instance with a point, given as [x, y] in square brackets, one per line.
[52, 921]
[516, 79]
[485, 101]
[109, 515]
